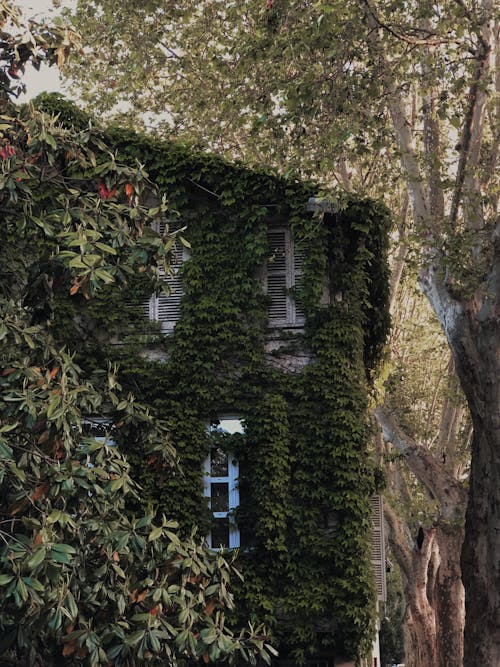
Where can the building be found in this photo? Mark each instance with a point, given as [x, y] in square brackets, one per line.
[260, 362]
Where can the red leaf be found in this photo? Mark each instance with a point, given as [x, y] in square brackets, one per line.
[129, 190]
[40, 491]
[7, 152]
[104, 192]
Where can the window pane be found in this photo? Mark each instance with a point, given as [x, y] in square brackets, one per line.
[219, 494]
[231, 426]
[218, 463]
[220, 533]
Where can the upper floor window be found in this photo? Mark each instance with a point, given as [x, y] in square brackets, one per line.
[165, 308]
[221, 488]
[284, 268]
[282, 276]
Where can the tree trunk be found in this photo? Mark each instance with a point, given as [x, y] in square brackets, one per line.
[473, 331]
[434, 616]
[477, 358]
[449, 595]
[420, 618]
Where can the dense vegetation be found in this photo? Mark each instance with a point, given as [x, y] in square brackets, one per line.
[85, 577]
[395, 99]
[306, 477]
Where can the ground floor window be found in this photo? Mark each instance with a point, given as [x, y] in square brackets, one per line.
[221, 488]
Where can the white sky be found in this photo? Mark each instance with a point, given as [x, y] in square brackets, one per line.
[47, 79]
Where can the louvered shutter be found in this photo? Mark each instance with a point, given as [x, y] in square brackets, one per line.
[166, 308]
[168, 305]
[277, 275]
[378, 547]
[298, 262]
[284, 271]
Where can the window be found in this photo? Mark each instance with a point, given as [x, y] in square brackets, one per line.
[284, 268]
[166, 307]
[99, 428]
[378, 547]
[221, 487]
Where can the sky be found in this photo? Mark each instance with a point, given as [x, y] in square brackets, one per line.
[47, 79]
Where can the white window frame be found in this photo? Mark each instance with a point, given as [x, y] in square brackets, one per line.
[231, 479]
[293, 317]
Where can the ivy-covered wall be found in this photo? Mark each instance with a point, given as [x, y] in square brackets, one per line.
[305, 471]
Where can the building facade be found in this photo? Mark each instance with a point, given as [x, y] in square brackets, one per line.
[259, 357]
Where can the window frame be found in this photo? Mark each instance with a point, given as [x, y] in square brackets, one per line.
[291, 273]
[232, 480]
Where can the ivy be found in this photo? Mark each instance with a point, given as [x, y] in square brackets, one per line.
[306, 475]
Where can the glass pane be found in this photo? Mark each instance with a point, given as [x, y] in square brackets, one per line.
[220, 533]
[219, 495]
[231, 425]
[218, 463]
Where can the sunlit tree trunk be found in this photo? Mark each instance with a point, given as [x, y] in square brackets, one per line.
[430, 562]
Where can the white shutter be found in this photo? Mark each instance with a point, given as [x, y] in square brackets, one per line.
[277, 275]
[167, 307]
[378, 547]
[284, 271]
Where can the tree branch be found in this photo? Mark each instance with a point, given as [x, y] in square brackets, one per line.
[440, 484]
[402, 129]
[398, 541]
[432, 40]
[471, 136]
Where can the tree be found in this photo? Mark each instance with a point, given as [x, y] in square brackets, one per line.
[427, 431]
[83, 578]
[321, 85]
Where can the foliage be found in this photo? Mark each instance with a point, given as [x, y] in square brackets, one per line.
[249, 90]
[365, 93]
[83, 577]
[305, 477]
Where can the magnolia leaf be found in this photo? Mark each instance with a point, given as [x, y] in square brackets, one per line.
[36, 558]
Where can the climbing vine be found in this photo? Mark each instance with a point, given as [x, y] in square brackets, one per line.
[305, 473]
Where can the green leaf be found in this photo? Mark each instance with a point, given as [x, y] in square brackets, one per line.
[64, 548]
[34, 583]
[5, 451]
[135, 637]
[36, 558]
[155, 534]
[6, 428]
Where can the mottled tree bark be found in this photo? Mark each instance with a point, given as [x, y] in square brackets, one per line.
[434, 594]
[477, 342]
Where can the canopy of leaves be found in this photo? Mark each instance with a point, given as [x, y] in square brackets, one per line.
[280, 81]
